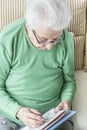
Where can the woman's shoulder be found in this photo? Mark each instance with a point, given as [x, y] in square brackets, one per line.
[68, 35]
[9, 35]
[12, 28]
[69, 39]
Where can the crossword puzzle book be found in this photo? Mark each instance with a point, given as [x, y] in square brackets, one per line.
[52, 119]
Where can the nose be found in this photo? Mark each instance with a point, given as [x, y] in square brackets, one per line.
[51, 41]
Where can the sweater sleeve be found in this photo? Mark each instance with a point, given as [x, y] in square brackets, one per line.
[8, 105]
[69, 87]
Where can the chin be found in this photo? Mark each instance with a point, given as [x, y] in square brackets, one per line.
[48, 47]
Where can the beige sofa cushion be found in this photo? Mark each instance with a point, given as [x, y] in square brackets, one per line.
[85, 58]
[78, 10]
[79, 51]
[10, 10]
[78, 26]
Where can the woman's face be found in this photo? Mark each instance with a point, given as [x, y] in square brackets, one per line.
[46, 37]
[43, 38]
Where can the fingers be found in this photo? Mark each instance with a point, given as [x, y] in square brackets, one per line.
[64, 105]
[34, 111]
[35, 116]
[67, 105]
[59, 107]
[33, 123]
[30, 117]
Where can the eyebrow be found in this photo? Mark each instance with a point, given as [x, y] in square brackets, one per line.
[47, 38]
[39, 36]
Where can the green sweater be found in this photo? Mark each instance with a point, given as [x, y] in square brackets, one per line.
[30, 77]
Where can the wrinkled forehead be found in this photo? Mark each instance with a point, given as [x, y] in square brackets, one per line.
[47, 32]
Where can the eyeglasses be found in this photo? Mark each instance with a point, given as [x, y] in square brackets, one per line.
[53, 41]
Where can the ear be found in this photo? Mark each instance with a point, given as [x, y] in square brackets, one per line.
[27, 26]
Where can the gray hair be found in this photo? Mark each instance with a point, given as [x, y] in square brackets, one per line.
[54, 14]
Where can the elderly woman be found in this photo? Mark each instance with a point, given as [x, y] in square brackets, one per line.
[36, 65]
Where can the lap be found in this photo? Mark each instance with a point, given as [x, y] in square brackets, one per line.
[6, 124]
[68, 125]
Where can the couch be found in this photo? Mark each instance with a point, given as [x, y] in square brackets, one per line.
[13, 9]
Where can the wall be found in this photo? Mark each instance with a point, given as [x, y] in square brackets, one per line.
[80, 101]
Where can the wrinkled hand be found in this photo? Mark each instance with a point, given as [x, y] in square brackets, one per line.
[64, 105]
[30, 117]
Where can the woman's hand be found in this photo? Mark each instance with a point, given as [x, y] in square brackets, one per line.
[30, 117]
[64, 105]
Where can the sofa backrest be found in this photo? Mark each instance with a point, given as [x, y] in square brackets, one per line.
[10, 10]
